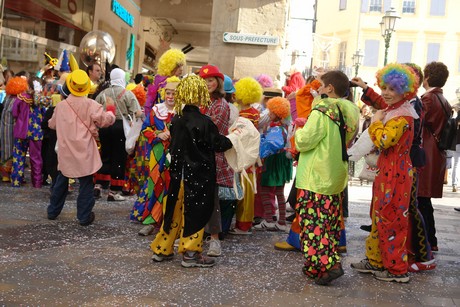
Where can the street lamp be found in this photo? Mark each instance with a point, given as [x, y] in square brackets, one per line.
[387, 26]
[357, 59]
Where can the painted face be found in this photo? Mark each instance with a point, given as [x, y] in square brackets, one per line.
[390, 95]
[212, 84]
[169, 97]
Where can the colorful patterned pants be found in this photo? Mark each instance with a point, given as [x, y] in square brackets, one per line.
[20, 148]
[320, 221]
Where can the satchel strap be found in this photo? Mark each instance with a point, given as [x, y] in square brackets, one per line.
[436, 137]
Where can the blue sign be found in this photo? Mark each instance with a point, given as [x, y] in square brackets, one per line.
[123, 13]
[130, 52]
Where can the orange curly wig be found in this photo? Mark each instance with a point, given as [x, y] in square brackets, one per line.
[140, 94]
[279, 106]
[16, 85]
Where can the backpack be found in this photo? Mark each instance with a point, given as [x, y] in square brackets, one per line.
[447, 140]
[245, 151]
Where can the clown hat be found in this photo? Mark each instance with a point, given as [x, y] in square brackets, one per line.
[208, 71]
[78, 83]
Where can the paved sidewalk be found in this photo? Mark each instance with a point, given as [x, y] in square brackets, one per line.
[59, 263]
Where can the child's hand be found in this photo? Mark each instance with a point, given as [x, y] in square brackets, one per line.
[378, 116]
[359, 82]
[165, 135]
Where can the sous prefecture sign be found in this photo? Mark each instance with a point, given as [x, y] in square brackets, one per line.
[253, 39]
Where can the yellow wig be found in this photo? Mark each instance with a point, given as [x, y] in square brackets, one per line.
[248, 90]
[169, 61]
[192, 90]
[171, 83]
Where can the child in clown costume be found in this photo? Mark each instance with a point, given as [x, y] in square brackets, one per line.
[148, 207]
[28, 136]
[191, 194]
[322, 176]
[247, 92]
[14, 87]
[277, 167]
[391, 131]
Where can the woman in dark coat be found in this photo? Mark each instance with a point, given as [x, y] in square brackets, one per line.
[431, 177]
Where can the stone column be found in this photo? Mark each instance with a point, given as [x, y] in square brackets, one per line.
[263, 17]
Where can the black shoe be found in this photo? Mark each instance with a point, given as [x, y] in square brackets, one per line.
[335, 272]
[92, 216]
[290, 218]
[366, 228]
[52, 217]
[457, 209]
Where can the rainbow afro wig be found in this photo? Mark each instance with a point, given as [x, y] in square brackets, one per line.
[279, 106]
[248, 90]
[400, 77]
[192, 90]
[169, 61]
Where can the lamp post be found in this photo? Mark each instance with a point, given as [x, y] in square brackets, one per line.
[387, 26]
[357, 59]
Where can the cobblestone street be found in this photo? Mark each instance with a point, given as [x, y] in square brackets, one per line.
[60, 263]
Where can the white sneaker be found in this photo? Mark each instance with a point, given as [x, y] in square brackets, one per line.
[176, 242]
[280, 227]
[264, 225]
[115, 196]
[214, 248]
[237, 231]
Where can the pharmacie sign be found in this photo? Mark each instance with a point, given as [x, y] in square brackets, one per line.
[253, 39]
[123, 13]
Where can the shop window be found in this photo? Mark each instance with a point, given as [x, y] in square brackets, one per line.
[343, 5]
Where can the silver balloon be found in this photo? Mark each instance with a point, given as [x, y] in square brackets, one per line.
[97, 47]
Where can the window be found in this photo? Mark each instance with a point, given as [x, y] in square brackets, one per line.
[408, 7]
[404, 52]
[342, 55]
[375, 6]
[364, 6]
[438, 8]
[386, 5]
[371, 50]
[343, 5]
[432, 53]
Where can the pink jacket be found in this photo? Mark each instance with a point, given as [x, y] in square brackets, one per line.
[78, 155]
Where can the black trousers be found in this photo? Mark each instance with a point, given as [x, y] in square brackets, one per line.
[426, 209]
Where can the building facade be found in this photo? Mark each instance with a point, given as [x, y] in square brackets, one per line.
[427, 31]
